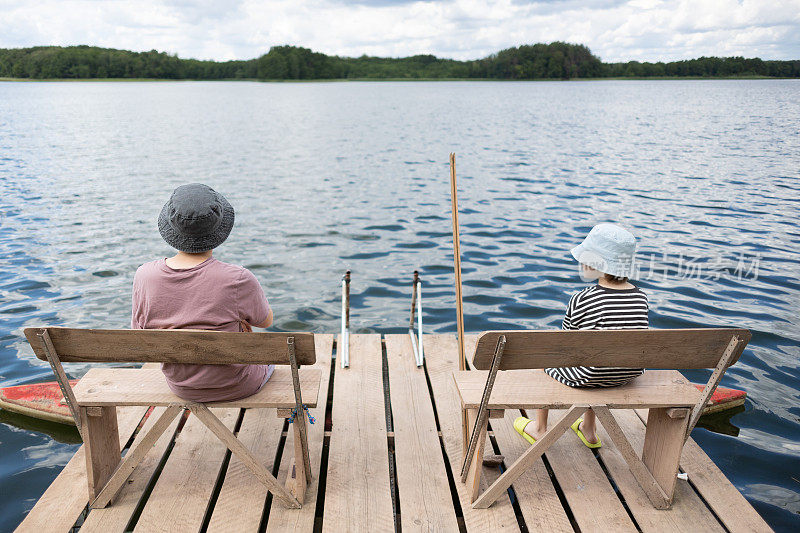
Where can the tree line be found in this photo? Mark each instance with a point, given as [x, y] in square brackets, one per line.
[556, 60]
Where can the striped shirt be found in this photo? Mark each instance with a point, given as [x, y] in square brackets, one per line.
[599, 307]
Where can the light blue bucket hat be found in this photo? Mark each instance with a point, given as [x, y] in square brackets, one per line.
[609, 249]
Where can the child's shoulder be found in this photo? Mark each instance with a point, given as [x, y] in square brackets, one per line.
[236, 273]
[145, 275]
[596, 291]
[147, 268]
[230, 267]
[583, 293]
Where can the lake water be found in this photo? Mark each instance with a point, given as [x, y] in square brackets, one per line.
[333, 176]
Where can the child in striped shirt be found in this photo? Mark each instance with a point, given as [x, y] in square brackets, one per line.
[613, 303]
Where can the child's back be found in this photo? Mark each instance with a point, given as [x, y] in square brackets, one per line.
[602, 307]
[212, 295]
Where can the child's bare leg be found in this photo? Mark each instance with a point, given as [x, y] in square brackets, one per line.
[537, 427]
[589, 427]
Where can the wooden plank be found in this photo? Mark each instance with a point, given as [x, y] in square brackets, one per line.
[425, 501]
[538, 500]
[172, 346]
[678, 412]
[478, 421]
[719, 493]
[591, 498]
[357, 493]
[135, 455]
[115, 517]
[541, 508]
[129, 386]
[61, 378]
[662, 447]
[66, 497]
[688, 512]
[441, 359]
[242, 497]
[472, 478]
[283, 519]
[102, 443]
[246, 456]
[642, 348]
[528, 457]
[300, 429]
[724, 362]
[181, 494]
[643, 475]
[241, 500]
[520, 389]
[300, 469]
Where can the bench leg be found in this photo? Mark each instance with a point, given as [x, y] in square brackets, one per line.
[663, 443]
[245, 456]
[527, 458]
[464, 433]
[101, 446]
[297, 480]
[134, 457]
[639, 470]
[476, 465]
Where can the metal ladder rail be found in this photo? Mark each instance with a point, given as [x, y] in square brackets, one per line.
[343, 351]
[416, 305]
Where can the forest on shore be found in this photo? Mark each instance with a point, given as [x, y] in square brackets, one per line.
[557, 60]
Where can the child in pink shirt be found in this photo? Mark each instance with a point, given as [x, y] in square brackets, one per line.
[193, 290]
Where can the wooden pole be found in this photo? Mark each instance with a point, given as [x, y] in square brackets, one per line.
[462, 359]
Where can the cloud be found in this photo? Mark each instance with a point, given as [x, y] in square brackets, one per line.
[615, 30]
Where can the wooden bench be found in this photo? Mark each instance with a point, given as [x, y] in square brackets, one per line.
[509, 376]
[94, 399]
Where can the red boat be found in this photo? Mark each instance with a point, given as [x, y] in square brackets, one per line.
[39, 400]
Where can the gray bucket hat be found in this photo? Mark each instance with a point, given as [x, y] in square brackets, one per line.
[195, 219]
[609, 249]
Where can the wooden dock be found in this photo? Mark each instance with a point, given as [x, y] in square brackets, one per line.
[384, 450]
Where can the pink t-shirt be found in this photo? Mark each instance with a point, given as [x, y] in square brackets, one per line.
[212, 295]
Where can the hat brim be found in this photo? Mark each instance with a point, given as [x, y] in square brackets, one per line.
[195, 244]
[596, 261]
[577, 251]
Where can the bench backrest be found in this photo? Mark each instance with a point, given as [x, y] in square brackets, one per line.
[172, 346]
[637, 348]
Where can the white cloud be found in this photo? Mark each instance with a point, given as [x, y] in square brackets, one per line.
[615, 30]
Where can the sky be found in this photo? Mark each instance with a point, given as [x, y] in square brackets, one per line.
[615, 30]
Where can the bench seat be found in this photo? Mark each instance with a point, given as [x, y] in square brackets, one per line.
[525, 389]
[134, 386]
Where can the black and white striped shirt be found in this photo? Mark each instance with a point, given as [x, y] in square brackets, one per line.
[599, 307]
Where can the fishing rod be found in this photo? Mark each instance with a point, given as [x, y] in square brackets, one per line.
[462, 360]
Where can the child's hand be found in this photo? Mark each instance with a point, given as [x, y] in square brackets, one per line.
[245, 326]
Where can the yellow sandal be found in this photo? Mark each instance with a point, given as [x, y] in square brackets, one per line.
[576, 428]
[519, 425]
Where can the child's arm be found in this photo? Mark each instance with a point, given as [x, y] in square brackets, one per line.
[568, 323]
[254, 309]
[136, 303]
[267, 323]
